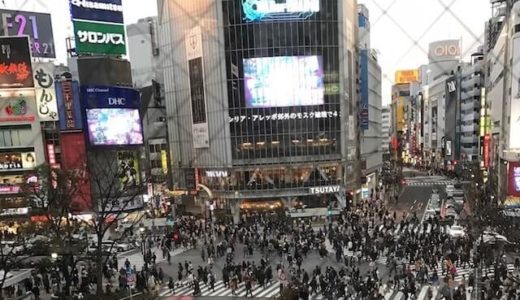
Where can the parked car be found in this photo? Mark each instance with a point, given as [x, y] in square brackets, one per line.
[457, 231]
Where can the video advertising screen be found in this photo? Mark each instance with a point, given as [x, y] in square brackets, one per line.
[114, 126]
[283, 81]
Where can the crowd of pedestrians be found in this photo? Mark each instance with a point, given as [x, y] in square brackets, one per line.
[370, 260]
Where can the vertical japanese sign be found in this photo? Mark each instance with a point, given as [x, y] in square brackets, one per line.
[68, 102]
[486, 150]
[197, 92]
[363, 105]
[45, 91]
[514, 127]
[164, 161]
[15, 63]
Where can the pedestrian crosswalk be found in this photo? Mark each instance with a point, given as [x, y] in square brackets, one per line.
[422, 293]
[429, 183]
[271, 290]
[135, 257]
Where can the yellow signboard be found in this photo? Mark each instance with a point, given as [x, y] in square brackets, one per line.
[164, 161]
[406, 76]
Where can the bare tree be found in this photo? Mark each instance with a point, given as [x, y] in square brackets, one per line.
[56, 194]
[116, 191]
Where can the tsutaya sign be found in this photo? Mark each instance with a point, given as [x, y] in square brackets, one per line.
[325, 189]
[217, 174]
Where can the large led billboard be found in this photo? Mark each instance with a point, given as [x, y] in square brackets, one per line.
[284, 81]
[268, 10]
[114, 126]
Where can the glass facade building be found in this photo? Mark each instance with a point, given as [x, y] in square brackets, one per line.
[266, 130]
[280, 94]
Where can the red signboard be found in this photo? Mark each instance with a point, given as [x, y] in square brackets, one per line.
[15, 63]
[74, 157]
[514, 179]
[485, 150]
[51, 153]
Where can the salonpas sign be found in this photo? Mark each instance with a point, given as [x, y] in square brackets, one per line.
[99, 38]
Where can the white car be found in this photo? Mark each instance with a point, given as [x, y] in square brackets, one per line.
[490, 237]
[457, 231]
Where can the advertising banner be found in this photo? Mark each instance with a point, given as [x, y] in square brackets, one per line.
[406, 76]
[99, 38]
[164, 161]
[109, 97]
[11, 184]
[514, 179]
[128, 164]
[97, 10]
[363, 105]
[73, 157]
[198, 96]
[486, 150]
[15, 63]
[37, 26]
[271, 10]
[45, 91]
[17, 106]
[17, 160]
[514, 127]
[450, 113]
[67, 96]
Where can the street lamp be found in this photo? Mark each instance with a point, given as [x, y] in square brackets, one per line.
[54, 256]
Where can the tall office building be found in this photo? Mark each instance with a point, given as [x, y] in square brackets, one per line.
[262, 103]
[370, 105]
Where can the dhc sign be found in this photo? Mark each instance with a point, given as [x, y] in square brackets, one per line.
[324, 190]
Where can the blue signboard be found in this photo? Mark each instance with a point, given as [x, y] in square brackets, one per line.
[97, 10]
[363, 105]
[109, 97]
[69, 108]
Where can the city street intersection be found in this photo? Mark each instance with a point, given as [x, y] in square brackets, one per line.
[413, 199]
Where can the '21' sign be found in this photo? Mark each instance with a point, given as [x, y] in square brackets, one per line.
[35, 25]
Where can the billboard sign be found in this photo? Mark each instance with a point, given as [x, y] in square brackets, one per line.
[67, 96]
[444, 50]
[17, 161]
[99, 38]
[45, 91]
[37, 26]
[112, 115]
[514, 127]
[110, 97]
[271, 10]
[486, 149]
[450, 116]
[363, 105]
[17, 106]
[406, 76]
[15, 63]
[97, 10]
[128, 168]
[514, 179]
[194, 54]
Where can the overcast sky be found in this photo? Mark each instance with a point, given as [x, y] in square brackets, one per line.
[395, 25]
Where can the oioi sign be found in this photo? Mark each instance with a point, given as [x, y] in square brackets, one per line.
[99, 38]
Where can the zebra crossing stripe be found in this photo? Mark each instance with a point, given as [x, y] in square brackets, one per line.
[220, 290]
